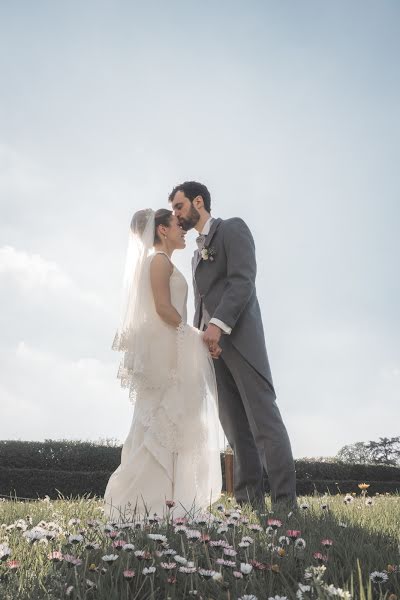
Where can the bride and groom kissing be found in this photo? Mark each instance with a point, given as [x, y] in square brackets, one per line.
[182, 379]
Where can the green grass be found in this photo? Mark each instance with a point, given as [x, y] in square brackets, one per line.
[368, 542]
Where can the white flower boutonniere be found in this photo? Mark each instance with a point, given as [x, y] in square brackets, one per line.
[208, 254]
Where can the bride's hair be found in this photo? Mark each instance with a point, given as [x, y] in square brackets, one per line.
[162, 216]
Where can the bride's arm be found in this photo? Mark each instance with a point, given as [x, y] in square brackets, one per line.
[160, 273]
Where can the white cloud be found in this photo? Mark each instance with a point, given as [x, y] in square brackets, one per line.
[47, 396]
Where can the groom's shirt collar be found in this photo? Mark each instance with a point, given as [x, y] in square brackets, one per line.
[207, 225]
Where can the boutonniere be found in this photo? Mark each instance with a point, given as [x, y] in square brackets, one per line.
[208, 254]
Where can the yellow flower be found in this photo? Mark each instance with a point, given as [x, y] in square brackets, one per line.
[275, 568]
[390, 569]
[281, 552]
[363, 486]
[92, 567]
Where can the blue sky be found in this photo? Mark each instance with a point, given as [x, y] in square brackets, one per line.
[288, 111]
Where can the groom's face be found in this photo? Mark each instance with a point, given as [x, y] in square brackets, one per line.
[185, 211]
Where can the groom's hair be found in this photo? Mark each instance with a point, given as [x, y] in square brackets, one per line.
[192, 189]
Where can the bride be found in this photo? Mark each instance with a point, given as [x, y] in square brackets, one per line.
[172, 450]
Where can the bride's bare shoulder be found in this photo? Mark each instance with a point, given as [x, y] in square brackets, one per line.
[161, 264]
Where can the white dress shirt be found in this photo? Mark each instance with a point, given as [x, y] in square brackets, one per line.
[225, 328]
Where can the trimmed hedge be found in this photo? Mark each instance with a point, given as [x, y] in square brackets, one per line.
[37, 483]
[36, 469]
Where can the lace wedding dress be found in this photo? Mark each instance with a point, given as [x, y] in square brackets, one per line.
[172, 450]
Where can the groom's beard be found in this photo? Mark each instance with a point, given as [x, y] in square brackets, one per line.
[191, 220]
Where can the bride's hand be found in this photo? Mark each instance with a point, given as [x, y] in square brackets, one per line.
[215, 351]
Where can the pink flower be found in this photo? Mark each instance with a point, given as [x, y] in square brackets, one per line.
[118, 544]
[293, 534]
[55, 556]
[237, 574]
[321, 558]
[72, 560]
[128, 574]
[170, 503]
[326, 543]
[274, 523]
[13, 564]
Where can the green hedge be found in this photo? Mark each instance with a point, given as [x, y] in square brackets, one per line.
[34, 469]
[37, 483]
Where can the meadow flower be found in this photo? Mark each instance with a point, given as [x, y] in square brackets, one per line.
[92, 546]
[321, 558]
[248, 539]
[343, 525]
[149, 570]
[55, 556]
[300, 543]
[217, 576]
[326, 543]
[363, 486]
[69, 590]
[243, 544]
[284, 540]
[187, 570]
[157, 537]
[348, 499]
[369, 502]
[206, 573]
[378, 576]
[237, 574]
[73, 522]
[142, 554]
[193, 534]
[119, 544]
[91, 584]
[226, 563]
[245, 568]
[5, 552]
[180, 529]
[274, 523]
[34, 534]
[254, 527]
[337, 592]
[222, 529]
[248, 597]
[167, 552]
[282, 552]
[218, 543]
[275, 568]
[169, 503]
[230, 552]
[324, 506]
[75, 539]
[304, 506]
[92, 567]
[13, 565]
[277, 597]
[109, 558]
[180, 559]
[303, 589]
[73, 561]
[221, 507]
[293, 534]
[168, 566]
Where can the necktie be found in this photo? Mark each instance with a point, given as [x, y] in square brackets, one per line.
[200, 242]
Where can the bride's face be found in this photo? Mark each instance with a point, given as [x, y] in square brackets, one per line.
[175, 234]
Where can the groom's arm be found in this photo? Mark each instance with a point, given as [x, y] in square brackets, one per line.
[241, 272]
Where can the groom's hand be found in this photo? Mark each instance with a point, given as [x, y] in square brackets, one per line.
[211, 336]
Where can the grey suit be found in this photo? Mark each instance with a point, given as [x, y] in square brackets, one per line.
[224, 288]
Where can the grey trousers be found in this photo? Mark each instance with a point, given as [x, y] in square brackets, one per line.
[254, 428]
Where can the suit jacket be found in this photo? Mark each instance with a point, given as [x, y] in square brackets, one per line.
[225, 286]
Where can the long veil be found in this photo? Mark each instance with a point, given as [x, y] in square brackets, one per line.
[172, 365]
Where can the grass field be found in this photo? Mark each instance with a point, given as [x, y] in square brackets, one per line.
[334, 547]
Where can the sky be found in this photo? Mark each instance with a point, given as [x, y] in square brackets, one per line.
[288, 111]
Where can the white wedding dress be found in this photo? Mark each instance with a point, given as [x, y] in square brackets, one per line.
[172, 451]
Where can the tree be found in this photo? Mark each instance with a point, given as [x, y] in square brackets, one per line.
[386, 451]
[358, 453]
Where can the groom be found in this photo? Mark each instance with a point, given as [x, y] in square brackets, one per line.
[227, 309]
